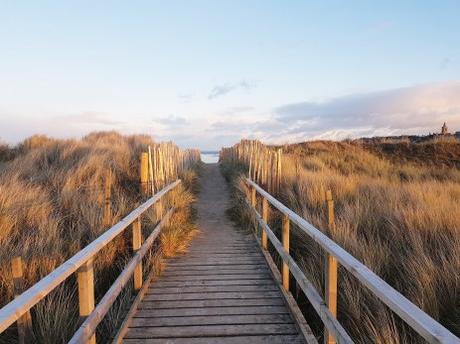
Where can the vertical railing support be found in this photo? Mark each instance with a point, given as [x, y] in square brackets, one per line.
[265, 218]
[25, 334]
[330, 271]
[85, 277]
[253, 197]
[137, 243]
[144, 173]
[285, 239]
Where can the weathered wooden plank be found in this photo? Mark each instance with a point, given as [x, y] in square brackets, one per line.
[211, 303]
[220, 288]
[213, 271]
[217, 260]
[211, 320]
[212, 296]
[212, 267]
[238, 310]
[218, 277]
[160, 283]
[211, 330]
[222, 264]
[272, 339]
[223, 255]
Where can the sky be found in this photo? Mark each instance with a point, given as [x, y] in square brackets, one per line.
[207, 73]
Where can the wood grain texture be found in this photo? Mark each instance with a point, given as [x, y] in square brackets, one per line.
[221, 291]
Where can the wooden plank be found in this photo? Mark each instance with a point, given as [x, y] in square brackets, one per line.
[422, 323]
[210, 320]
[238, 310]
[16, 308]
[229, 263]
[214, 272]
[161, 283]
[215, 267]
[212, 303]
[211, 330]
[218, 277]
[220, 288]
[212, 296]
[272, 339]
[224, 255]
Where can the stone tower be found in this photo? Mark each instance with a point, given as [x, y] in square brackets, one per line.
[444, 129]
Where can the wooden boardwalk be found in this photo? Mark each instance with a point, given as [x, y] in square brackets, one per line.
[221, 291]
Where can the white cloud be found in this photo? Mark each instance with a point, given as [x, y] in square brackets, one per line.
[411, 110]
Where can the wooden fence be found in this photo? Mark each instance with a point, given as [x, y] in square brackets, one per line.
[263, 162]
[422, 323]
[158, 168]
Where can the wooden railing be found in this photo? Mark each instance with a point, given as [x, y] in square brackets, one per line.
[82, 263]
[422, 323]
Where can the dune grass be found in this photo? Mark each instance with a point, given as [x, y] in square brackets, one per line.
[402, 220]
[51, 206]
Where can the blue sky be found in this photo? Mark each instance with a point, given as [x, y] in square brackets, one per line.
[207, 73]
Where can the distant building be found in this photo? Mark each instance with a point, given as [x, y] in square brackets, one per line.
[444, 130]
[457, 134]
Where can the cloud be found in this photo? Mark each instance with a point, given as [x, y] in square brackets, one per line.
[221, 90]
[172, 121]
[444, 64]
[410, 110]
[403, 110]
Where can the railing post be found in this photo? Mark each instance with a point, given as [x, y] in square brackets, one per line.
[144, 173]
[253, 197]
[265, 218]
[285, 239]
[137, 243]
[25, 334]
[330, 271]
[107, 221]
[85, 277]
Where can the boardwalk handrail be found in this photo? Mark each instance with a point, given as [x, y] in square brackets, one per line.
[24, 302]
[422, 323]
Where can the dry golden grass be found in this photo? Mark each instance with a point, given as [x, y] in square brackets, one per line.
[51, 206]
[400, 219]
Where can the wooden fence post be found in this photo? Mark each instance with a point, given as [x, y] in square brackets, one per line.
[107, 220]
[144, 173]
[25, 333]
[85, 278]
[253, 197]
[330, 271]
[278, 170]
[137, 243]
[265, 218]
[285, 239]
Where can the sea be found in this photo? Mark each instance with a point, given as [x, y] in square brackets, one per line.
[210, 157]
